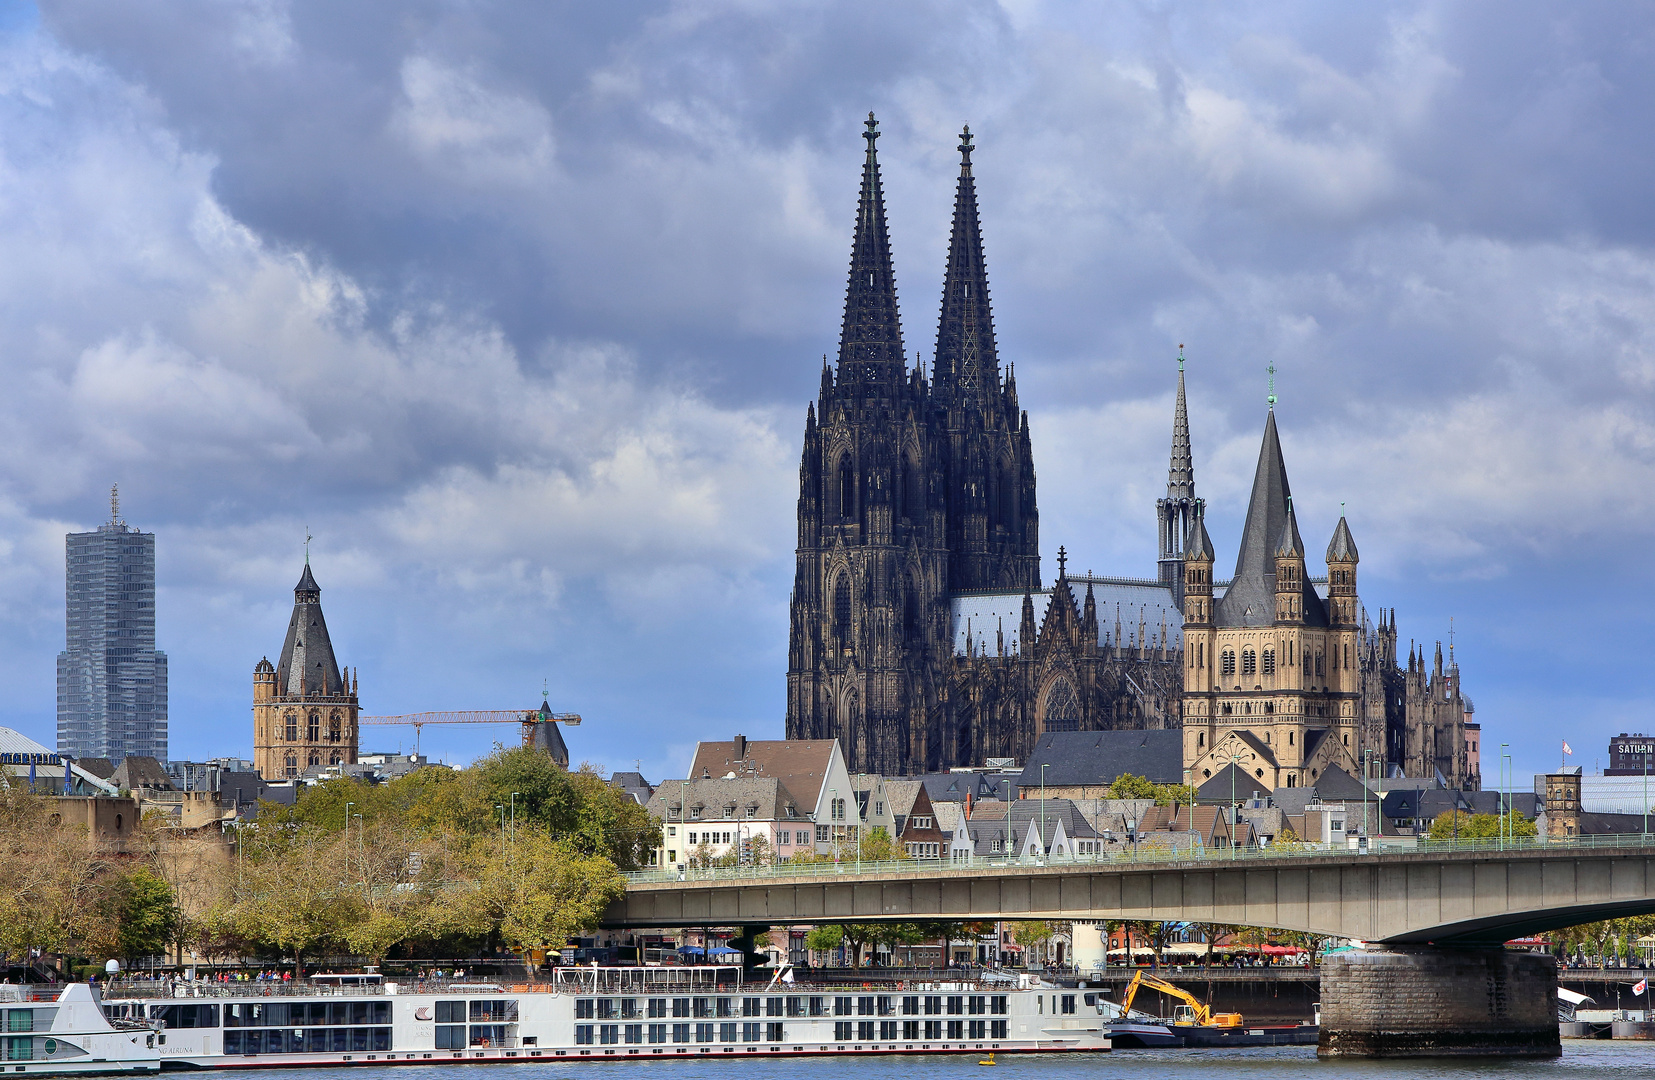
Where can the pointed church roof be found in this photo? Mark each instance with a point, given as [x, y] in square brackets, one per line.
[1200, 544]
[1341, 548]
[307, 664]
[1290, 545]
[1251, 598]
[1181, 470]
[967, 365]
[870, 339]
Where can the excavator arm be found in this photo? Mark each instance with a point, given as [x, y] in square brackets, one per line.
[1202, 1015]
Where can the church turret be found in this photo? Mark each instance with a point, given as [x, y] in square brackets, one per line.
[1341, 577]
[1198, 571]
[1251, 597]
[1290, 575]
[1176, 512]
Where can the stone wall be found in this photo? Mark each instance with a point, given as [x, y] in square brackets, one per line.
[1439, 1002]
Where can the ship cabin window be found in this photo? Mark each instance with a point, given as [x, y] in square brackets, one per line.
[657, 1008]
[680, 1007]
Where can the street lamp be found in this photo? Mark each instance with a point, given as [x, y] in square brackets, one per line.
[1365, 754]
[1505, 794]
[1043, 769]
[502, 810]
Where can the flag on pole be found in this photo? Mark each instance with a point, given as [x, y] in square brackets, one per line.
[1567, 749]
[1640, 988]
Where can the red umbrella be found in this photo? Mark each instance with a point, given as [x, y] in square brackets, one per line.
[1282, 950]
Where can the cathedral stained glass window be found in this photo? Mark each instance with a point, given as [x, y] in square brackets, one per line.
[1062, 707]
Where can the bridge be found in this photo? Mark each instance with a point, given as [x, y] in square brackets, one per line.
[1440, 984]
[1455, 894]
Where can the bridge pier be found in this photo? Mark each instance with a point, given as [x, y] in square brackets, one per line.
[1428, 1001]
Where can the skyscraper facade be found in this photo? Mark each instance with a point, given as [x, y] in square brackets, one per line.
[111, 680]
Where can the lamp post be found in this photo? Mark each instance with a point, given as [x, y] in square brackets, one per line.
[502, 810]
[1365, 754]
[361, 863]
[514, 816]
[1234, 768]
[1505, 795]
[1043, 769]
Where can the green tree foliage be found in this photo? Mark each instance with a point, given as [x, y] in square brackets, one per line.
[1128, 786]
[542, 892]
[145, 912]
[1457, 824]
[825, 938]
[1032, 933]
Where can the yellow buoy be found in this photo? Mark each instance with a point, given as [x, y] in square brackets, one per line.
[987, 1061]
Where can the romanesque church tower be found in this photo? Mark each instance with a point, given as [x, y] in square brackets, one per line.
[304, 708]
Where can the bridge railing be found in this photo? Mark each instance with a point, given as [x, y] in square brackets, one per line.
[1129, 856]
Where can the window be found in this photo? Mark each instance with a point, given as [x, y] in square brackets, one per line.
[313, 730]
[841, 1031]
[680, 1033]
[976, 1029]
[864, 1006]
[727, 1032]
[583, 1034]
[910, 1029]
[847, 490]
[978, 1005]
[1249, 662]
[887, 1029]
[997, 1029]
[864, 1030]
[680, 1007]
[1321, 665]
[751, 1032]
[997, 1005]
[657, 1008]
[1269, 661]
[773, 1032]
[333, 728]
[1228, 662]
[292, 726]
[657, 1033]
[801, 837]
[956, 1029]
[841, 611]
[705, 1033]
[933, 1029]
[1068, 1003]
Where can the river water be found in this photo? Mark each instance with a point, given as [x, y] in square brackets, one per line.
[1582, 1059]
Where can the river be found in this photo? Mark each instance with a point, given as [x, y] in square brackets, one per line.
[1624, 1060]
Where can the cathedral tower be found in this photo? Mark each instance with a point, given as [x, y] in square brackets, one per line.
[304, 708]
[869, 620]
[993, 521]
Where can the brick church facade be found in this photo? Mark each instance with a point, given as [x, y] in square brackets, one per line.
[920, 634]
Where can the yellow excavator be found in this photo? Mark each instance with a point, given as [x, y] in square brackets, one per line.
[1191, 1013]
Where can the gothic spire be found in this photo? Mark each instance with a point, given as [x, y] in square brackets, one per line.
[870, 340]
[967, 367]
[1181, 471]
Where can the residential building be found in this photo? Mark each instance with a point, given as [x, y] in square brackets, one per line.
[918, 829]
[111, 679]
[304, 707]
[826, 806]
[705, 820]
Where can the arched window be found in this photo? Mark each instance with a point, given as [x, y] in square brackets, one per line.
[1062, 710]
[1229, 662]
[1200, 739]
[841, 611]
[1008, 497]
[1289, 738]
[315, 759]
[1321, 665]
[1269, 661]
[290, 767]
[1306, 658]
[292, 726]
[1249, 662]
[847, 490]
[313, 730]
[333, 759]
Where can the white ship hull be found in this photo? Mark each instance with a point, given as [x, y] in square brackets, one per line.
[612, 1014]
[69, 1035]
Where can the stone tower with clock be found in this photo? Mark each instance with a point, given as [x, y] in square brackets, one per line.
[304, 706]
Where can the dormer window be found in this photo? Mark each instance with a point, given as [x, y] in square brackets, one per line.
[695, 812]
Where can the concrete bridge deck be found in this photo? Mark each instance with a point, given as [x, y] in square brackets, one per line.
[1445, 894]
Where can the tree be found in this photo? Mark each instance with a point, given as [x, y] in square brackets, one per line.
[945, 932]
[825, 938]
[878, 847]
[1157, 934]
[1211, 932]
[1032, 934]
[146, 911]
[1128, 786]
[1457, 824]
[543, 892]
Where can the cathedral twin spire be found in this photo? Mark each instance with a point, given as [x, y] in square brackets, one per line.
[968, 367]
[870, 339]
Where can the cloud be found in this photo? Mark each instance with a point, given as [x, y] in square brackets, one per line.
[517, 307]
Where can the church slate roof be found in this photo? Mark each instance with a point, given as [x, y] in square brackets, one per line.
[1341, 548]
[1090, 758]
[307, 643]
[985, 615]
[1251, 598]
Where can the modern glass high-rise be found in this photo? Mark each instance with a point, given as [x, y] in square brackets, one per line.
[111, 680]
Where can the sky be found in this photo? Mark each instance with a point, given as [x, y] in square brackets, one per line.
[516, 308]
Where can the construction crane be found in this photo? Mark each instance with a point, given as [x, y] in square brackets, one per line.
[530, 719]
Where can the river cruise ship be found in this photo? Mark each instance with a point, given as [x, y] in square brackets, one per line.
[67, 1033]
[608, 1014]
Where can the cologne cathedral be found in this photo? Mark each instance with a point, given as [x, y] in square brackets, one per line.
[921, 636]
